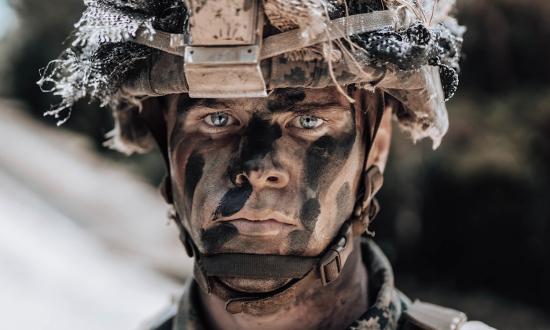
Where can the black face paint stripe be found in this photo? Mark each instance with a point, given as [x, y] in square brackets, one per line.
[325, 151]
[193, 174]
[233, 201]
[317, 158]
[185, 103]
[282, 99]
[342, 198]
[215, 237]
[299, 239]
[257, 141]
[259, 138]
[309, 213]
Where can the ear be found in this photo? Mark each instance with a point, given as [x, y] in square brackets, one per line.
[380, 149]
[377, 108]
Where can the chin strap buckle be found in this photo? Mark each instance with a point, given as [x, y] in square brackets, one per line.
[330, 265]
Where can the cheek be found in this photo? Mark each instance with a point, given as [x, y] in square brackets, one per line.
[338, 199]
[214, 238]
[322, 164]
[309, 213]
[330, 171]
[198, 169]
[193, 174]
[325, 158]
[187, 169]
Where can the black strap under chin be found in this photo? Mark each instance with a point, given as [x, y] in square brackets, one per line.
[257, 266]
[327, 266]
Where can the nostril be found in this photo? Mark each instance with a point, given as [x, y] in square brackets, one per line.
[241, 179]
[273, 179]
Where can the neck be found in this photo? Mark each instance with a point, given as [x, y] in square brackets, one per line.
[310, 306]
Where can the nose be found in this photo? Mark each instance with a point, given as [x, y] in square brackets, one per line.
[264, 178]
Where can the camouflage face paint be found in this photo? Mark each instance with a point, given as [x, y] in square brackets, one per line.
[326, 153]
[343, 197]
[193, 174]
[269, 168]
[214, 238]
[309, 213]
[233, 201]
[256, 143]
[298, 241]
[283, 99]
[325, 156]
[258, 140]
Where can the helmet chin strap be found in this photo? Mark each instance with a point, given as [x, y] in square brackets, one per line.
[325, 269]
[299, 270]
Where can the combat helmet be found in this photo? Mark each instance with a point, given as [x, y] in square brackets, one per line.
[125, 51]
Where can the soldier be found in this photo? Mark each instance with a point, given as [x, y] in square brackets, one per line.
[274, 121]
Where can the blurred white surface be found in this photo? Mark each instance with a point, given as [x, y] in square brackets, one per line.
[83, 244]
[7, 17]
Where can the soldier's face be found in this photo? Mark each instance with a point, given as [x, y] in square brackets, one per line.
[274, 175]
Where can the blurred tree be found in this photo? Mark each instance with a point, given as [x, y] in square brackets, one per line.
[42, 34]
[476, 212]
[506, 46]
[43, 27]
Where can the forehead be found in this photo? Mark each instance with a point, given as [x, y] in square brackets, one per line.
[281, 100]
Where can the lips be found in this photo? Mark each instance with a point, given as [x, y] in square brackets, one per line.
[259, 228]
[261, 223]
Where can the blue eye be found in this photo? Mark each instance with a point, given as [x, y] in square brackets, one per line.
[219, 119]
[310, 122]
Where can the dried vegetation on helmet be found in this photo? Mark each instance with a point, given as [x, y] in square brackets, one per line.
[415, 56]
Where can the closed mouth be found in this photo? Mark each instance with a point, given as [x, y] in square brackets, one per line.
[268, 227]
[255, 224]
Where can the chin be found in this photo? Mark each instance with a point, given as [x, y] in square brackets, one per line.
[253, 285]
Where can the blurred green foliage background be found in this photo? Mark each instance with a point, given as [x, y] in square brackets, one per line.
[472, 216]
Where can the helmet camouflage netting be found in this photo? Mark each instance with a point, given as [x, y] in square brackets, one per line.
[415, 59]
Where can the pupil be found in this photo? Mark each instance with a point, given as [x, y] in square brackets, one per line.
[308, 121]
[219, 119]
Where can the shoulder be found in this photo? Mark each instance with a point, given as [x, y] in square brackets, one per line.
[421, 315]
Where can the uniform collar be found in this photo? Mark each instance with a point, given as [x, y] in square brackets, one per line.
[386, 305]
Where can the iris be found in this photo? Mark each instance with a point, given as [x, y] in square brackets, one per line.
[309, 122]
[219, 119]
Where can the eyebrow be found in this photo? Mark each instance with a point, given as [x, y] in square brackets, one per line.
[190, 104]
[185, 104]
[314, 106]
[212, 103]
[283, 103]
